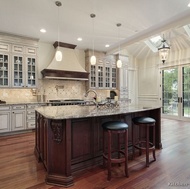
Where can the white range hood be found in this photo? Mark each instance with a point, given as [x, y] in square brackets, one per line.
[68, 68]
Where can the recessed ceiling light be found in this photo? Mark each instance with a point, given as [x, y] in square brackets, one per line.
[107, 46]
[188, 5]
[79, 39]
[43, 30]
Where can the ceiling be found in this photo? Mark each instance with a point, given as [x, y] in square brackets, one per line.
[140, 19]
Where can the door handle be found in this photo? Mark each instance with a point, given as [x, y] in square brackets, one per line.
[180, 99]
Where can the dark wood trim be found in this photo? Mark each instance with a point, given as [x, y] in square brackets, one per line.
[66, 45]
[60, 74]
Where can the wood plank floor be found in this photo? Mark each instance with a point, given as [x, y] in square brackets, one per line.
[20, 170]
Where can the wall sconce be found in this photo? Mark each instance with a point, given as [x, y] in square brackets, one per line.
[164, 51]
[34, 92]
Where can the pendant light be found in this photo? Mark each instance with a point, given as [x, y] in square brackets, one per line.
[93, 58]
[58, 54]
[164, 51]
[119, 62]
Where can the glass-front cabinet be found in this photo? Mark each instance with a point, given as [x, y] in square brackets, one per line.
[93, 76]
[18, 61]
[100, 76]
[114, 77]
[103, 75]
[18, 71]
[31, 72]
[4, 70]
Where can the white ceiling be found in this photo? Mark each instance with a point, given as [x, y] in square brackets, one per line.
[139, 18]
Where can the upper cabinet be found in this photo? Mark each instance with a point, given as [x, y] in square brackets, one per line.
[103, 74]
[123, 78]
[18, 60]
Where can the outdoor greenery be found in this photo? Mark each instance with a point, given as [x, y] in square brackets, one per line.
[170, 91]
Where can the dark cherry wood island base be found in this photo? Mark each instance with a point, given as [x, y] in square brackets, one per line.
[69, 138]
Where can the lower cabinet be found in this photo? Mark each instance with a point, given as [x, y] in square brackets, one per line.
[30, 115]
[5, 119]
[18, 117]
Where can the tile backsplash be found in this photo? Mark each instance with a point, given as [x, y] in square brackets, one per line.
[52, 89]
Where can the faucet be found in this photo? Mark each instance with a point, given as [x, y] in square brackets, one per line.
[90, 90]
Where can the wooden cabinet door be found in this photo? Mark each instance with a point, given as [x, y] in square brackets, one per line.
[18, 120]
[4, 121]
[81, 141]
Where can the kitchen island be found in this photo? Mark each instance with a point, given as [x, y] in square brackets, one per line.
[69, 138]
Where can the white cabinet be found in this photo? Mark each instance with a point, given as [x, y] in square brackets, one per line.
[4, 68]
[30, 115]
[102, 75]
[18, 60]
[18, 117]
[5, 120]
[123, 78]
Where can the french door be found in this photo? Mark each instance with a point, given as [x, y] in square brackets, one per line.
[176, 92]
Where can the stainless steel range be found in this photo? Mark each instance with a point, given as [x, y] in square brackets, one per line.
[67, 102]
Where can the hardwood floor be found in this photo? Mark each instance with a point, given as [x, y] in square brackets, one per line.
[20, 170]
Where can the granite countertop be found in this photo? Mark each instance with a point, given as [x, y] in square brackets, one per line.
[21, 103]
[78, 111]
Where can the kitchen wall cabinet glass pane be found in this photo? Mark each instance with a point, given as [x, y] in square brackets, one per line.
[93, 76]
[18, 71]
[4, 70]
[107, 77]
[100, 76]
[114, 77]
[31, 69]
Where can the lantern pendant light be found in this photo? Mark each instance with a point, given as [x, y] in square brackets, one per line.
[163, 51]
[58, 55]
[119, 62]
[93, 58]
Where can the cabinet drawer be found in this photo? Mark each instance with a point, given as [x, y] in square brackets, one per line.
[31, 124]
[18, 107]
[32, 106]
[31, 117]
[29, 112]
[5, 108]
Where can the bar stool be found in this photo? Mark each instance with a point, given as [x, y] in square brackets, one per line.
[110, 128]
[146, 144]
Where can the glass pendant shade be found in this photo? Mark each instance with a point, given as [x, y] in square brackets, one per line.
[58, 56]
[93, 60]
[119, 63]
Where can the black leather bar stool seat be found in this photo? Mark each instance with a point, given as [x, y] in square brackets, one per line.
[115, 155]
[144, 143]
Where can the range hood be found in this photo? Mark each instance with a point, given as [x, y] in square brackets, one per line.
[69, 68]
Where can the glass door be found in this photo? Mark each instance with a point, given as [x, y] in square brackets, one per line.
[31, 71]
[100, 76]
[185, 100]
[93, 76]
[107, 77]
[18, 71]
[170, 92]
[4, 70]
[176, 92]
